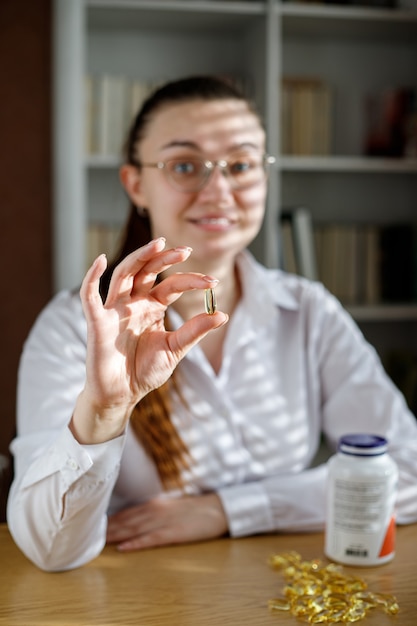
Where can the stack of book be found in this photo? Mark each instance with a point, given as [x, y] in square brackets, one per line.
[111, 102]
[348, 261]
[358, 263]
[306, 116]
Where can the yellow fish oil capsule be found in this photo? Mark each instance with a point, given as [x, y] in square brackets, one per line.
[309, 593]
[210, 301]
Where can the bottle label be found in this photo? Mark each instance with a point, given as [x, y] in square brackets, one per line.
[361, 524]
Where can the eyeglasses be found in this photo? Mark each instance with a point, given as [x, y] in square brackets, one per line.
[191, 173]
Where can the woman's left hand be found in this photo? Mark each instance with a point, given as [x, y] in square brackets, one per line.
[167, 521]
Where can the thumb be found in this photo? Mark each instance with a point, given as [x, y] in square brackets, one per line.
[192, 331]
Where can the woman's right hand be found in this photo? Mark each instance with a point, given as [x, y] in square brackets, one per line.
[129, 351]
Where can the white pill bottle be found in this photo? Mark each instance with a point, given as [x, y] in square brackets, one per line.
[361, 497]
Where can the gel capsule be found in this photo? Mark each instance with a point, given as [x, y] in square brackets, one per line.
[323, 594]
[279, 604]
[210, 301]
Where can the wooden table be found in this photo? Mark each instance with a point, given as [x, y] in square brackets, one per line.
[221, 582]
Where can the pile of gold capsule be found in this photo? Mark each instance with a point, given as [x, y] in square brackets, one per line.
[323, 594]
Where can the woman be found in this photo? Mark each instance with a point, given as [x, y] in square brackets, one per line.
[110, 446]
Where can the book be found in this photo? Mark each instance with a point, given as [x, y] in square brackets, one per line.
[328, 253]
[139, 91]
[338, 253]
[301, 228]
[371, 286]
[390, 123]
[306, 116]
[112, 114]
[288, 259]
[89, 115]
[111, 101]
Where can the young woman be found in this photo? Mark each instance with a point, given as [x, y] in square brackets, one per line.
[110, 445]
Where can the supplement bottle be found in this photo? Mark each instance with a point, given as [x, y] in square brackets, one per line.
[361, 495]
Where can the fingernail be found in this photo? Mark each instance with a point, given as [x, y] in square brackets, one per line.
[225, 318]
[98, 259]
[157, 240]
[210, 279]
[184, 248]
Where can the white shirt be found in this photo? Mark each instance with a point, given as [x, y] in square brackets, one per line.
[295, 366]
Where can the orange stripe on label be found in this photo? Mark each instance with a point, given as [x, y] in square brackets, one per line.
[388, 546]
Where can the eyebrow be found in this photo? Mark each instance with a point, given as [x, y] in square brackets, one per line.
[194, 146]
[181, 144]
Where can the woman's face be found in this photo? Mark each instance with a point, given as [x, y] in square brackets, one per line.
[216, 220]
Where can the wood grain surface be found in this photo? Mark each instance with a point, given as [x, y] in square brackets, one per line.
[227, 581]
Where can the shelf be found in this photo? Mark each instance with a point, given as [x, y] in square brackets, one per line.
[346, 21]
[347, 164]
[383, 312]
[172, 16]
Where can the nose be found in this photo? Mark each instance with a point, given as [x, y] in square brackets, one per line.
[218, 183]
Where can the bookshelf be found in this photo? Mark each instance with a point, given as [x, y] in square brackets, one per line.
[356, 51]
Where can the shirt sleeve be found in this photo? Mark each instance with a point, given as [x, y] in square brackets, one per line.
[58, 500]
[280, 503]
[349, 389]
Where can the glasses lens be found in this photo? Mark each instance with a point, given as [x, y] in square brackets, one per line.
[246, 170]
[187, 174]
[242, 170]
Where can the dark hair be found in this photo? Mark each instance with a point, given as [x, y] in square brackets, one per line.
[151, 417]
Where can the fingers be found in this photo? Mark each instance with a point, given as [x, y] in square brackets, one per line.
[140, 268]
[153, 539]
[139, 536]
[89, 291]
[140, 526]
[168, 521]
[172, 287]
[137, 273]
[191, 332]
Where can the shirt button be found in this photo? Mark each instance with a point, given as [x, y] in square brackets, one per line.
[72, 463]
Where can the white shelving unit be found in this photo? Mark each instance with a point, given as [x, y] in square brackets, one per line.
[356, 50]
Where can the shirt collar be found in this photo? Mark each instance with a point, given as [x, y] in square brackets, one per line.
[261, 285]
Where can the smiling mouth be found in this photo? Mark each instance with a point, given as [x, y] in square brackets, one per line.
[220, 221]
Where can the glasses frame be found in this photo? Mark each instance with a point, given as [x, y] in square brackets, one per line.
[210, 165]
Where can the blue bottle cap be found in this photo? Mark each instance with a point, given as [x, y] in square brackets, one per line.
[363, 444]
